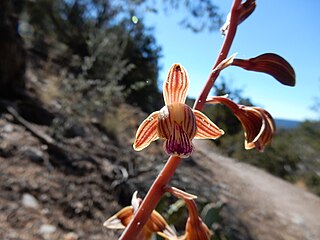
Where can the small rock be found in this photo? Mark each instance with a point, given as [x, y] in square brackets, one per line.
[29, 201]
[8, 128]
[296, 219]
[34, 154]
[46, 229]
[73, 129]
[11, 235]
[70, 236]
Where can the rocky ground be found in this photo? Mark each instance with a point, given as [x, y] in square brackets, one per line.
[65, 187]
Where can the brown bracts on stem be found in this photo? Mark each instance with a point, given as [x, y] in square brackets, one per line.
[271, 64]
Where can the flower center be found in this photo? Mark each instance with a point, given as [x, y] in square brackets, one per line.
[177, 124]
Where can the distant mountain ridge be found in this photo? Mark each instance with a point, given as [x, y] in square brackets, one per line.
[286, 124]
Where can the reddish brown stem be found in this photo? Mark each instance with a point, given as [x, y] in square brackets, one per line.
[151, 200]
[158, 187]
[201, 100]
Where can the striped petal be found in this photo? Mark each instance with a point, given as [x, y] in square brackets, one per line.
[176, 86]
[258, 124]
[121, 219]
[206, 129]
[147, 132]
[259, 128]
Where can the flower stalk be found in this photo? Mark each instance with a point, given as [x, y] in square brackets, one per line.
[158, 187]
[152, 198]
[230, 34]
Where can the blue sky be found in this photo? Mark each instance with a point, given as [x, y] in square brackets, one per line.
[290, 28]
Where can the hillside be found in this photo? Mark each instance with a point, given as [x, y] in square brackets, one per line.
[286, 124]
[64, 186]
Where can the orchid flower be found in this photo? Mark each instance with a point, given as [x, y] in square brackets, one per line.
[258, 124]
[176, 122]
[156, 223]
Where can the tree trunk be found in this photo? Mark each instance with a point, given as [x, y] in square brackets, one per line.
[12, 53]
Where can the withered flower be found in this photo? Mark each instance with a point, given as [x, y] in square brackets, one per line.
[176, 122]
[258, 124]
[155, 224]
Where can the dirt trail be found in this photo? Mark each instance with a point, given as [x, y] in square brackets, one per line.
[268, 207]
